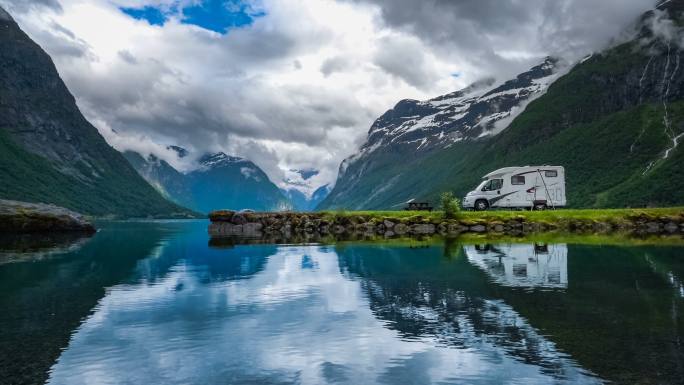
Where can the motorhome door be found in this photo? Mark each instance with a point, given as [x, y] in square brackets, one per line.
[492, 191]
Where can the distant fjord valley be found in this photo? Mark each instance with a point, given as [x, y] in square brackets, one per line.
[614, 120]
[220, 181]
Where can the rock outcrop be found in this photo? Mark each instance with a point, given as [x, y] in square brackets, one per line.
[21, 217]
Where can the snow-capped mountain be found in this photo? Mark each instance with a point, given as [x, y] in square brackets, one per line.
[615, 121]
[417, 128]
[304, 188]
[210, 161]
[219, 182]
[477, 111]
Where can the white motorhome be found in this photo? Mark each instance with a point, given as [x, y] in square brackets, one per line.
[530, 187]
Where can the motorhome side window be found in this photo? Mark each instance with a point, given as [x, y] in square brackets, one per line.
[517, 180]
[551, 173]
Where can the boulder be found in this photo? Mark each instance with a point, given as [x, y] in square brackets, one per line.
[671, 227]
[423, 228]
[456, 228]
[400, 229]
[221, 215]
[22, 217]
[252, 228]
[653, 227]
[238, 219]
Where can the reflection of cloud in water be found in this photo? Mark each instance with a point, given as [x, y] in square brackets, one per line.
[522, 265]
[287, 323]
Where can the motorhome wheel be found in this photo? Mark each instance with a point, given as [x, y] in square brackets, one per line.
[481, 205]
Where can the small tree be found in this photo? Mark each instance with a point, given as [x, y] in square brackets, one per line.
[450, 205]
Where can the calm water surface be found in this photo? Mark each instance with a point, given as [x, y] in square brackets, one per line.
[153, 303]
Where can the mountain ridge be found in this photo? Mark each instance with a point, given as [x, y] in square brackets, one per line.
[49, 152]
[414, 129]
[615, 120]
[219, 182]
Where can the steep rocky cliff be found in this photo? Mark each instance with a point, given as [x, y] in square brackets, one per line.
[49, 152]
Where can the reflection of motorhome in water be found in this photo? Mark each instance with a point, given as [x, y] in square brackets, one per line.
[522, 265]
[535, 187]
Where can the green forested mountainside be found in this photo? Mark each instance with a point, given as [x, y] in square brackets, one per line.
[609, 120]
[28, 177]
[50, 153]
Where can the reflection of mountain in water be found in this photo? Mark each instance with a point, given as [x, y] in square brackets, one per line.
[50, 297]
[211, 264]
[298, 320]
[522, 265]
[178, 311]
[622, 316]
[452, 303]
[619, 317]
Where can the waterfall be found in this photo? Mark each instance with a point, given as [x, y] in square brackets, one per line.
[641, 98]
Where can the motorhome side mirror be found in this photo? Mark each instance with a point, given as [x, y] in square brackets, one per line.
[498, 192]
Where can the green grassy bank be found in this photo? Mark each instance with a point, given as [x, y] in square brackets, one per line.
[548, 216]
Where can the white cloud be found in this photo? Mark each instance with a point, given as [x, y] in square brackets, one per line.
[299, 87]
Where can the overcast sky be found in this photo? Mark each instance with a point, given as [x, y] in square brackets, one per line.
[292, 84]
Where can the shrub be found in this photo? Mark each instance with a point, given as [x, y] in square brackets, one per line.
[450, 205]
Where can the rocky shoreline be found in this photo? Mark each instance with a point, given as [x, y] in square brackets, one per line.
[227, 223]
[22, 217]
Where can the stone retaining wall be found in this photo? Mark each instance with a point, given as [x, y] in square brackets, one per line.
[229, 223]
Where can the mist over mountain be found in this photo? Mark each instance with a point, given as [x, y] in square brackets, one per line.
[615, 120]
[300, 201]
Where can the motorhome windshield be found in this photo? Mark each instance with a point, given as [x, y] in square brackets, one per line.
[492, 184]
[481, 185]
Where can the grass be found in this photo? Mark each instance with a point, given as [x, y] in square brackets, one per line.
[598, 215]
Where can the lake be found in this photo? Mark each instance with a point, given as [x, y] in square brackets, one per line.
[157, 303]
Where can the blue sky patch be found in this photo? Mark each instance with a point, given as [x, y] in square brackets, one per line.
[153, 15]
[214, 15]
